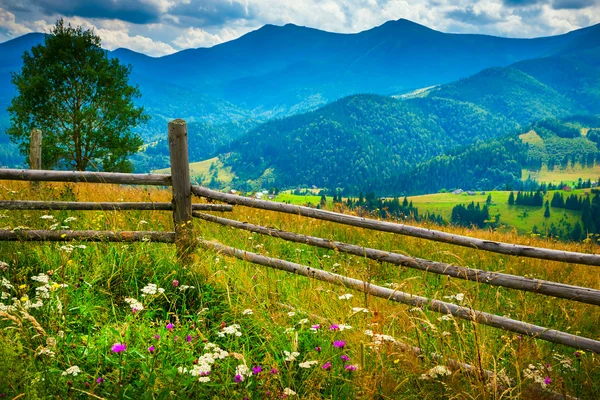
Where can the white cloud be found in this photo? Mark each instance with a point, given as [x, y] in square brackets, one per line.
[196, 37]
[8, 22]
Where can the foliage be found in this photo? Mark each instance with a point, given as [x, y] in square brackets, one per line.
[81, 101]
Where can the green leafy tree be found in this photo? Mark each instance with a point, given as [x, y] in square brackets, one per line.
[80, 99]
[547, 210]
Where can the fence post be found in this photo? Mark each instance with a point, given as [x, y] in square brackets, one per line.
[182, 188]
[35, 153]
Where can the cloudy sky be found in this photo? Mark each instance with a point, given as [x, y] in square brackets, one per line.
[159, 27]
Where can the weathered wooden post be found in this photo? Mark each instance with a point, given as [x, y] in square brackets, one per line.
[182, 188]
[35, 153]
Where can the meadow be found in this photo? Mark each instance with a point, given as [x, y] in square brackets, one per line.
[130, 320]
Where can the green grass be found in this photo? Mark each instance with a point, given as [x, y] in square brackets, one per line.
[203, 168]
[521, 218]
[569, 175]
[80, 322]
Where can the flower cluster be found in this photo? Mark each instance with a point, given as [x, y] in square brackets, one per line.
[233, 329]
[151, 289]
[436, 372]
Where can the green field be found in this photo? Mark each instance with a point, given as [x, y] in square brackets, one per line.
[568, 175]
[510, 216]
[202, 169]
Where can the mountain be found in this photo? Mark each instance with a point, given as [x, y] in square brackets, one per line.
[367, 142]
[278, 71]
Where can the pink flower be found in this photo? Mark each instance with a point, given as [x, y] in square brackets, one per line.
[100, 380]
[238, 378]
[315, 327]
[326, 366]
[350, 368]
[151, 349]
[340, 344]
[318, 349]
[345, 357]
[170, 326]
[119, 347]
[156, 337]
[256, 370]
[175, 283]
[188, 338]
[334, 327]
[274, 371]
[547, 380]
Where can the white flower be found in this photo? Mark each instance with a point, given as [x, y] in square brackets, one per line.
[344, 327]
[151, 289]
[6, 283]
[81, 246]
[303, 321]
[204, 379]
[69, 219]
[346, 296]
[291, 356]
[142, 222]
[47, 217]
[233, 329]
[437, 371]
[134, 304]
[74, 370]
[291, 314]
[185, 287]
[445, 318]
[308, 364]
[458, 297]
[67, 248]
[289, 392]
[242, 370]
[359, 309]
[44, 351]
[247, 312]
[289, 330]
[43, 278]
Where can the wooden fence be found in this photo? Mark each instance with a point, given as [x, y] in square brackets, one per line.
[183, 212]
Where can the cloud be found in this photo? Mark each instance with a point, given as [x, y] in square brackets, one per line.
[135, 11]
[9, 24]
[573, 4]
[207, 13]
[196, 37]
[472, 17]
[524, 3]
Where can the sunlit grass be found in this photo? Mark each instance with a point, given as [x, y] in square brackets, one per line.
[82, 321]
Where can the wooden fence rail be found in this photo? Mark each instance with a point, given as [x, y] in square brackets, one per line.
[559, 290]
[85, 176]
[88, 206]
[466, 313]
[32, 235]
[429, 234]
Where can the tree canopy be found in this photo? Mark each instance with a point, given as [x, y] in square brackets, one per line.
[80, 99]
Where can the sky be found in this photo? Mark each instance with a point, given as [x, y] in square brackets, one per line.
[160, 27]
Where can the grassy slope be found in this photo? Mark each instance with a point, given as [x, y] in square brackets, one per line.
[569, 175]
[99, 277]
[203, 168]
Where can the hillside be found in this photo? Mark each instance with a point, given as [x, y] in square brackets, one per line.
[490, 104]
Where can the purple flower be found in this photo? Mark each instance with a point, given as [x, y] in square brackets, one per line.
[577, 354]
[315, 327]
[274, 371]
[256, 370]
[156, 337]
[326, 366]
[345, 357]
[151, 349]
[119, 347]
[334, 327]
[175, 283]
[170, 326]
[318, 349]
[547, 380]
[188, 338]
[238, 378]
[350, 368]
[100, 380]
[339, 344]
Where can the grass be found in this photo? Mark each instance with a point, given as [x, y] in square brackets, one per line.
[87, 312]
[569, 175]
[202, 168]
[521, 218]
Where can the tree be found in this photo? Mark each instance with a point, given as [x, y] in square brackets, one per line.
[547, 210]
[511, 199]
[80, 99]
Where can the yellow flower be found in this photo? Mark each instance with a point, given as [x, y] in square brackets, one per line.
[64, 235]
[23, 286]
[396, 361]
[24, 299]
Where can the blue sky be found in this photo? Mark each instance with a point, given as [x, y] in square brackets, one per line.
[159, 27]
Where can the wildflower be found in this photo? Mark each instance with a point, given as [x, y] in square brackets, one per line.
[318, 349]
[315, 327]
[241, 371]
[274, 371]
[151, 349]
[134, 304]
[100, 380]
[334, 327]
[43, 278]
[256, 370]
[547, 380]
[579, 353]
[303, 321]
[307, 364]
[291, 314]
[291, 356]
[435, 372]
[204, 379]
[247, 312]
[46, 217]
[238, 378]
[326, 366]
[156, 337]
[339, 344]
[345, 357]
[289, 392]
[233, 329]
[175, 283]
[359, 309]
[151, 289]
[188, 338]
[350, 368]
[346, 296]
[119, 347]
[169, 326]
[74, 370]
[344, 327]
